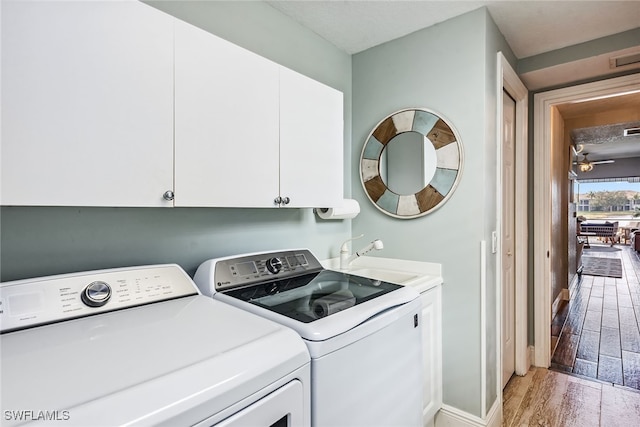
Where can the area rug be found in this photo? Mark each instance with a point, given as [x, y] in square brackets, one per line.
[598, 248]
[597, 266]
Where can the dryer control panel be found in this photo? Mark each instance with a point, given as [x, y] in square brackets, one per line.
[34, 302]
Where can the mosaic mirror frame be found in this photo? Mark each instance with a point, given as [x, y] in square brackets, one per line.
[449, 162]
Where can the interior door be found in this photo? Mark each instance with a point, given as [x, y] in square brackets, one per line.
[508, 240]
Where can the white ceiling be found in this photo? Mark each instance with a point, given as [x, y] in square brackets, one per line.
[530, 27]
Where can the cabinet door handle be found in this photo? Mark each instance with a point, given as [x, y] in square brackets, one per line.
[168, 195]
[286, 200]
[277, 200]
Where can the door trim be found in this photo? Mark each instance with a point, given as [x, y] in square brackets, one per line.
[543, 102]
[508, 81]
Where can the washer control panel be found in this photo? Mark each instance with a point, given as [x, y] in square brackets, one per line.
[34, 302]
[258, 268]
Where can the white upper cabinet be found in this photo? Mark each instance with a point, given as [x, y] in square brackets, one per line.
[226, 124]
[250, 133]
[87, 104]
[114, 103]
[311, 142]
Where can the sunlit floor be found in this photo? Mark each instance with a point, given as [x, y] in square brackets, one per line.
[595, 375]
[555, 399]
[599, 329]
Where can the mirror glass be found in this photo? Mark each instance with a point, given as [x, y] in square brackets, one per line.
[411, 163]
[408, 163]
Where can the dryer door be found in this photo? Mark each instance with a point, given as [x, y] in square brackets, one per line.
[282, 408]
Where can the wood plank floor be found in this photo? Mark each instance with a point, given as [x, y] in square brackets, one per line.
[598, 331]
[554, 399]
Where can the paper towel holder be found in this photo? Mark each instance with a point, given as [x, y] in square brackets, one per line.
[350, 209]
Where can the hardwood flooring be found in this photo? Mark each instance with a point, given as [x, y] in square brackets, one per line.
[595, 375]
[555, 399]
[598, 331]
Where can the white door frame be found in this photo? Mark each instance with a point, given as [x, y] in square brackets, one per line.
[543, 102]
[508, 81]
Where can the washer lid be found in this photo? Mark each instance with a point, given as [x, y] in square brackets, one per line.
[323, 305]
[190, 357]
[310, 297]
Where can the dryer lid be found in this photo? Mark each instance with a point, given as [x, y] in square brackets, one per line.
[146, 364]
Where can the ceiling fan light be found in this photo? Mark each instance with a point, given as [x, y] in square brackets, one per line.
[586, 167]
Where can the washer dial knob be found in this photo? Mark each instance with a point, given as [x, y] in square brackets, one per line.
[274, 265]
[96, 294]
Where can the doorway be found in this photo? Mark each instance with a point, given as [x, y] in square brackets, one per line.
[547, 246]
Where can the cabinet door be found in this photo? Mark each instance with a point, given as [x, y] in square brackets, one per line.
[87, 104]
[311, 142]
[226, 123]
[432, 352]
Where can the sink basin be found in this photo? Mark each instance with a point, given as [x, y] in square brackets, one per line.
[419, 275]
[392, 276]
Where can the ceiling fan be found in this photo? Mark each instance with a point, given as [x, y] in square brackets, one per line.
[586, 165]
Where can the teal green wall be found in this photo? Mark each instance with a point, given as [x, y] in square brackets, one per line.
[451, 69]
[36, 241]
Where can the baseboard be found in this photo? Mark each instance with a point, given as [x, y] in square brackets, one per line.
[494, 417]
[448, 416]
[573, 285]
[562, 296]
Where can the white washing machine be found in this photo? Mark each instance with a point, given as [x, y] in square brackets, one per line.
[364, 335]
[141, 346]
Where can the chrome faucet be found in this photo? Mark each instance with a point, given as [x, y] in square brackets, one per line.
[346, 259]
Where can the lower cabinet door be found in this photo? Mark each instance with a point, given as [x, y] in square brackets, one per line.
[432, 352]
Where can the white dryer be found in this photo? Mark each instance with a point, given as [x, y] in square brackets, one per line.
[141, 346]
[363, 335]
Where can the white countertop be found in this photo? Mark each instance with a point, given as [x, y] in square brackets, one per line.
[420, 275]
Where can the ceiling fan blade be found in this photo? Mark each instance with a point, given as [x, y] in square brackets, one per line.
[602, 162]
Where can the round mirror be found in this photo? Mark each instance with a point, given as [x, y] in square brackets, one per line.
[408, 163]
[411, 163]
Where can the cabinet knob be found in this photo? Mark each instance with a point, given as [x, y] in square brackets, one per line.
[168, 195]
[281, 201]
